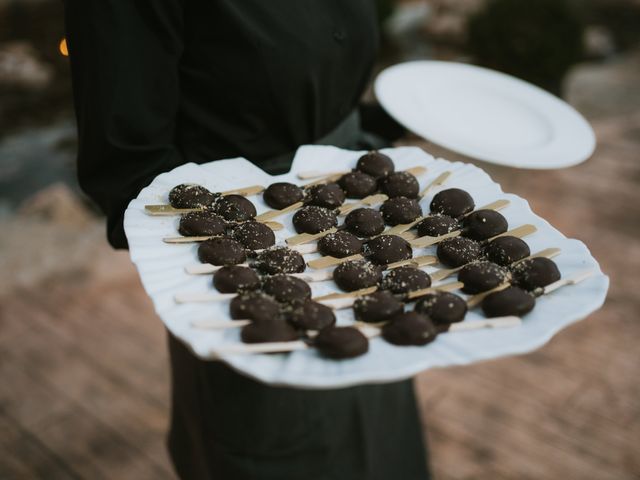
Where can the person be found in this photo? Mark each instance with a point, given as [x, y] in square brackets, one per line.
[158, 83]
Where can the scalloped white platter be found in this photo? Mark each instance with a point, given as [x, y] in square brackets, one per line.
[161, 268]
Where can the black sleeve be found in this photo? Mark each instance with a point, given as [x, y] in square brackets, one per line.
[124, 63]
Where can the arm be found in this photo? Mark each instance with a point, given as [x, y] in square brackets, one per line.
[124, 64]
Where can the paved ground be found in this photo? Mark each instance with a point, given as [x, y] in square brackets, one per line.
[83, 363]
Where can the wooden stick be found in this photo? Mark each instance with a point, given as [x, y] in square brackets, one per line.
[271, 214]
[369, 331]
[579, 277]
[166, 209]
[308, 237]
[474, 301]
[497, 205]
[366, 201]
[439, 180]
[314, 174]
[444, 273]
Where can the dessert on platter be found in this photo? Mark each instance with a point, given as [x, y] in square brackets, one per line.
[355, 267]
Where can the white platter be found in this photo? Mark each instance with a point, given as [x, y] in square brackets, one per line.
[485, 114]
[161, 268]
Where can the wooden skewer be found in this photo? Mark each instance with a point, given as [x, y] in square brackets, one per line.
[271, 214]
[347, 300]
[314, 174]
[497, 205]
[366, 201]
[579, 277]
[166, 209]
[308, 237]
[476, 300]
[368, 330]
[275, 226]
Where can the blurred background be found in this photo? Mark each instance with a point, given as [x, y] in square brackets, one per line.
[83, 367]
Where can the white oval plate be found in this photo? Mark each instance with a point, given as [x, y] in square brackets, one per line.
[485, 114]
[161, 268]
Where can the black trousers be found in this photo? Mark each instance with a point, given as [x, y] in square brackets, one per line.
[227, 426]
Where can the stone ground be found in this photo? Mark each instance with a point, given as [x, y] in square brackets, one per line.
[84, 390]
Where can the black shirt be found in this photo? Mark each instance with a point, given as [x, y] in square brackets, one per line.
[158, 83]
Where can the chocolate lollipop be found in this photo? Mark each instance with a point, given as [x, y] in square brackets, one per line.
[233, 278]
[340, 244]
[357, 184]
[255, 306]
[400, 210]
[254, 235]
[510, 301]
[326, 195]
[285, 288]
[280, 195]
[484, 224]
[482, 276]
[234, 208]
[458, 251]
[310, 315]
[375, 164]
[193, 224]
[387, 249]
[406, 279]
[364, 222]
[535, 273]
[313, 219]
[273, 330]
[399, 184]
[377, 307]
[188, 195]
[221, 251]
[507, 250]
[341, 342]
[279, 260]
[356, 275]
[452, 202]
[443, 308]
[437, 225]
[409, 328]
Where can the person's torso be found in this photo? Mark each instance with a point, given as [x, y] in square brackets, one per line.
[258, 78]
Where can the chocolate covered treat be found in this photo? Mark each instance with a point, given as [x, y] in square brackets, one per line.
[458, 251]
[313, 219]
[400, 210]
[387, 249]
[406, 279]
[357, 274]
[254, 306]
[221, 251]
[310, 315]
[285, 288]
[364, 222]
[357, 184]
[536, 273]
[234, 208]
[375, 164]
[484, 224]
[194, 224]
[443, 308]
[399, 184]
[510, 301]
[481, 276]
[188, 195]
[279, 260]
[341, 342]
[340, 244]
[452, 202]
[253, 235]
[409, 328]
[437, 225]
[274, 330]
[507, 250]
[235, 278]
[327, 195]
[377, 307]
[280, 195]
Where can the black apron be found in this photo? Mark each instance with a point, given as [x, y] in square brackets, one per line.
[227, 426]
